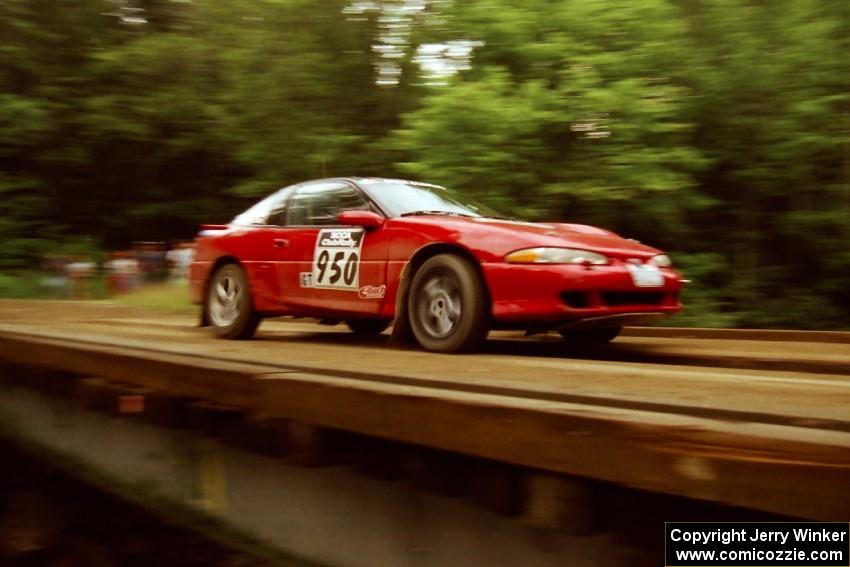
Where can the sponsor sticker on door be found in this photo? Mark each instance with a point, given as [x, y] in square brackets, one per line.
[372, 292]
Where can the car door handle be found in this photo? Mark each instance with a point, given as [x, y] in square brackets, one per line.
[280, 242]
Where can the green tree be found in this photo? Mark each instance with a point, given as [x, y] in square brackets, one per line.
[570, 110]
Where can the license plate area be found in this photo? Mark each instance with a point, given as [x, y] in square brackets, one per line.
[645, 276]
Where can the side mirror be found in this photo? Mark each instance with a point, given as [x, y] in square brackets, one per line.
[366, 219]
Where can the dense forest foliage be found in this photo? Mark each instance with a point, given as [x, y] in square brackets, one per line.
[716, 129]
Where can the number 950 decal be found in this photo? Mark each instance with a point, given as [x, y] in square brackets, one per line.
[336, 260]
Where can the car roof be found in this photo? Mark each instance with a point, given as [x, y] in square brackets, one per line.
[367, 180]
[364, 181]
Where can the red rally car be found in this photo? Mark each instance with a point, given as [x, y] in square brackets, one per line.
[444, 269]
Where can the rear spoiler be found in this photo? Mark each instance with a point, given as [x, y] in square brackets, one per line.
[210, 229]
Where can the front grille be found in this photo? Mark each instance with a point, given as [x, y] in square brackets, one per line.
[616, 298]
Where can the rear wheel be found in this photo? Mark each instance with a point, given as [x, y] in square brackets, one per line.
[592, 336]
[229, 304]
[367, 327]
[447, 305]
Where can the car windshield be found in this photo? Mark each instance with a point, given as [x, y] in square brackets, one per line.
[407, 198]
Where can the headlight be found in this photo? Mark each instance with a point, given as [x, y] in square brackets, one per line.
[555, 256]
[661, 261]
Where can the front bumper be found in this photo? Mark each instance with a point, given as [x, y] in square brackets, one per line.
[558, 295]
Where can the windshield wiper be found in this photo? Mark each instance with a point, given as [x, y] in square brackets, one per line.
[451, 213]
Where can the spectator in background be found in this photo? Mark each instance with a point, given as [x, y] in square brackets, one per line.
[152, 261]
[80, 273]
[122, 272]
[55, 282]
[179, 258]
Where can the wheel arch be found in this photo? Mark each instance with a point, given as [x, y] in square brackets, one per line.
[401, 325]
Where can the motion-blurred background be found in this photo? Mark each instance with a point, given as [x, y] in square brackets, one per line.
[717, 129]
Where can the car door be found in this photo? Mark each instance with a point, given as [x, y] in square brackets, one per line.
[333, 270]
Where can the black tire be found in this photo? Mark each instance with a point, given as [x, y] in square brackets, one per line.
[447, 305]
[367, 327]
[229, 304]
[592, 336]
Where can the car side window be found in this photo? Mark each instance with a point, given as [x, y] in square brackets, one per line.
[277, 211]
[271, 210]
[319, 204]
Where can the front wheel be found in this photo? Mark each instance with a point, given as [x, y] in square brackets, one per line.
[229, 304]
[447, 306]
[592, 336]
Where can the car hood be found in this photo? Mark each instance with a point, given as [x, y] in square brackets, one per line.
[504, 236]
